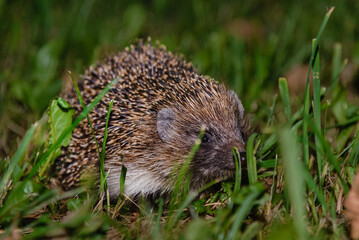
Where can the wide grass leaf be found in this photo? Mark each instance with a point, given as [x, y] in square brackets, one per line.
[60, 119]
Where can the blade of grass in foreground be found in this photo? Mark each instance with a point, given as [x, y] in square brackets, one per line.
[103, 152]
[251, 161]
[294, 179]
[83, 107]
[306, 95]
[182, 186]
[238, 176]
[16, 158]
[316, 113]
[73, 126]
[38, 204]
[122, 176]
[103, 182]
[183, 171]
[284, 92]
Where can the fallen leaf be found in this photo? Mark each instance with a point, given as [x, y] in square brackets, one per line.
[352, 208]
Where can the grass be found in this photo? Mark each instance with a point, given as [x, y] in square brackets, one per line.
[301, 159]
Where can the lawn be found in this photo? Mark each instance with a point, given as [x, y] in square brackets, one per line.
[295, 67]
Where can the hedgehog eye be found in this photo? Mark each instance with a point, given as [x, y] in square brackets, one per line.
[205, 139]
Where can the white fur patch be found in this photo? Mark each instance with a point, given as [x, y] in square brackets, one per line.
[137, 182]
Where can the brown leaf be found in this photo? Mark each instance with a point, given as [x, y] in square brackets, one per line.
[352, 208]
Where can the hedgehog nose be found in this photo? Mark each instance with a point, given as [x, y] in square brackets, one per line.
[243, 157]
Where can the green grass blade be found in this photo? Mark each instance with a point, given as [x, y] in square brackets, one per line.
[42, 202]
[294, 179]
[273, 187]
[183, 173]
[268, 144]
[156, 229]
[271, 111]
[181, 187]
[306, 95]
[103, 177]
[123, 177]
[87, 116]
[305, 129]
[73, 126]
[251, 160]
[284, 92]
[315, 45]
[16, 158]
[327, 149]
[238, 176]
[316, 112]
[103, 152]
[346, 123]
[336, 68]
[312, 186]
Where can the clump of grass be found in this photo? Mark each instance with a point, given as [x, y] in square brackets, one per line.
[23, 196]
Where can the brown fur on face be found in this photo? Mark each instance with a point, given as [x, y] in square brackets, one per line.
[160, 104]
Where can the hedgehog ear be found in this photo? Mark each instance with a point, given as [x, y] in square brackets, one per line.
[165, 119]
[239, 103]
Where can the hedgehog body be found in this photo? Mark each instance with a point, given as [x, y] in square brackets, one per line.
[160, 104]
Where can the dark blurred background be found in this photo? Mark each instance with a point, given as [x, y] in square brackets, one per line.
[246, 44]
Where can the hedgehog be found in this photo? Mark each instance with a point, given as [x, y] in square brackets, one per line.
[160, 104]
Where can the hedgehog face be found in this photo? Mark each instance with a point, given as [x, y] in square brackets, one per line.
[225, 129]
[214, 159]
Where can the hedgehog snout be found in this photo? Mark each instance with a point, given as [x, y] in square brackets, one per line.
[241, 154]
[243, 159]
